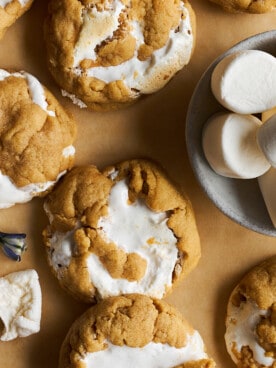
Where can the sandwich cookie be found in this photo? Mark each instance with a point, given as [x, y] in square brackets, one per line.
[124, 230]
[104, 55]
[133, 331]
[36, 137]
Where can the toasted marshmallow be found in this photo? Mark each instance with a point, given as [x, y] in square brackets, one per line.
[231, 148]
[20, 305]
[152, 355]
[267, 184]
[245, 82]
[267, 139]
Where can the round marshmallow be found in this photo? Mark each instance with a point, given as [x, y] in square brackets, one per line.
[231, 148]
[245, 82]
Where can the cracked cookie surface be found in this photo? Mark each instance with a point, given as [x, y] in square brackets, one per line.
[133, 330]
[251, 318]
[248, 6]
[36, 137]
[10, 11]
[124, 230]
[105, 54]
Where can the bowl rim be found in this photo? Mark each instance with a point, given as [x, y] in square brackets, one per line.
[264, 41]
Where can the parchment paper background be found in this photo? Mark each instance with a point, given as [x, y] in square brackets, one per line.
[155, 128]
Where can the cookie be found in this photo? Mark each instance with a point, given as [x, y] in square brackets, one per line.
[247, 6]
[133, 331]
[251, 318]
[10, 11]
[124, 230]
[20, 305]
[36, 137]
[105, 54]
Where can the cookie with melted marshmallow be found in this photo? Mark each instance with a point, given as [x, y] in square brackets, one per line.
[106, 54]
[10, 11]
[124, 230]
[251, 318]
[136, 331]
[36, 136]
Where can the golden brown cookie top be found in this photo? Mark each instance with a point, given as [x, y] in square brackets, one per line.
[129, 225]
[114, 51]
[10, 11]
[36, 134]
[247, 6]
[119, 325]
[251, 318]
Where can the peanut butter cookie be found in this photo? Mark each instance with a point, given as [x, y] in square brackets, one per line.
[124, 230]
[251, 318]
[10, 11]
[133, 331]
[248, 6]
[105, 54]
[36, 137]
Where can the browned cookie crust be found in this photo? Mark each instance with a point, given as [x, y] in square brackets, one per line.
[248, 6]
[134, 321]
[81, 199]
[66, 24]
[10, 13]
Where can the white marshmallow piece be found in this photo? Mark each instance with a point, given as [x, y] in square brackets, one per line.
[267, 139]
[231, 148]
[20, 304]
[245, 82]
[267, 184]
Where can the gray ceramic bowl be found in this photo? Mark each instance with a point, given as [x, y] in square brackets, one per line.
[241, 200]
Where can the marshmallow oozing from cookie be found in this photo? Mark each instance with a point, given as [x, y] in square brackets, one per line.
[121, 49]
[250, 322]
[10, 11]
[132, 232]
[136, 331]
[36, 139]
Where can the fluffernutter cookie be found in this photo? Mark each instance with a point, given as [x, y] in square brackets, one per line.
[124, 230]
[133, 331]
[36, 137]
[247, 6]
[105, 54]
[251, 318]
[10, 11]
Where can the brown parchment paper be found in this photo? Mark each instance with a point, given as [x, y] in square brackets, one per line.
[154, 127]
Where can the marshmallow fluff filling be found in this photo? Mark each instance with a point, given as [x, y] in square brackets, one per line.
[152, 355]
[150, 238]
[136, 74]
[241, 324]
